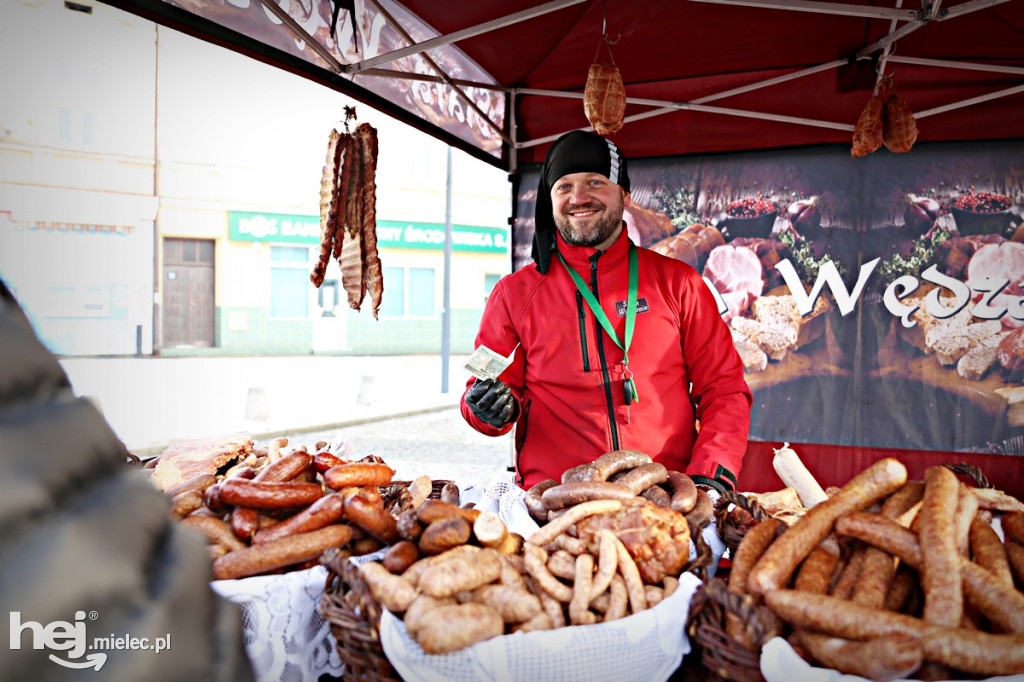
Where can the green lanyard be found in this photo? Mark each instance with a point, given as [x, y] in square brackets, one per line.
[631, 394]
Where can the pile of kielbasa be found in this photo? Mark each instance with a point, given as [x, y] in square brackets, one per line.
[621, 475]
[276, 512]
[892, 578]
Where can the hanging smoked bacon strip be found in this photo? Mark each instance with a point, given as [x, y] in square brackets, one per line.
[351, 259]
[329, 197]
[341, 206]
[373, 277]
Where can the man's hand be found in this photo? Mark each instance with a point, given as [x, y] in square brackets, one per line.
[491, 401]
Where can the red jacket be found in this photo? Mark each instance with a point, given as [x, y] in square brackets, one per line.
[567, 374]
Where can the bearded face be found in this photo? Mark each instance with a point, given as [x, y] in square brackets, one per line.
[587, 209]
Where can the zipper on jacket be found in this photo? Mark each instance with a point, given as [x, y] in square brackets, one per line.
[520, 437]
[599, 332]
[581, 314]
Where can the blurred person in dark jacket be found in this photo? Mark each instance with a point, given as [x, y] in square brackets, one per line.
[92, 568]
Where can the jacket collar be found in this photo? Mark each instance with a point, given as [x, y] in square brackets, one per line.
[579, 256]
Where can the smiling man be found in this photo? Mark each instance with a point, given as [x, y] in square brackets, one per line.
[617, 347]
[588, 209]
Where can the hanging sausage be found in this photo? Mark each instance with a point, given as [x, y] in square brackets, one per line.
[867, 134]
[900, 128]
[886, 119]
[604, 97]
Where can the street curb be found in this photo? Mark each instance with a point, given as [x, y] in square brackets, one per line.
[154, 450]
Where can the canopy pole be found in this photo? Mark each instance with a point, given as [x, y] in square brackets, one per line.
[513, 147]
[157, 242]
[824, 8]
[442, 73]
[968, 102]
[685, 106]
[416, 48]
[446, 311]
[949, 64]
[302, 33]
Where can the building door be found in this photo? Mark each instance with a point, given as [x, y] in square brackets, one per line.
[188, 318]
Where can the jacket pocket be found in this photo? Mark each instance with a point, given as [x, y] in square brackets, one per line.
[581, 316]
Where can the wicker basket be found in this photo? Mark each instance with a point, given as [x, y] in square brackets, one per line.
[734, 523]
[351, 611]
[979, 477]
[725, 658]
[700, 563]
[354, 618]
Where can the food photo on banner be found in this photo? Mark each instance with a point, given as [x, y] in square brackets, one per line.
[876, 302]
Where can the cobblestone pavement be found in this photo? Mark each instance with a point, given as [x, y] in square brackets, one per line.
[439, 444]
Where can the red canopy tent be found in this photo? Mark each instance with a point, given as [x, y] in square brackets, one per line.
[700, 76]
[502, 79]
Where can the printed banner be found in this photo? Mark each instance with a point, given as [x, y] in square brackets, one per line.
[349, 37]
[876, 302]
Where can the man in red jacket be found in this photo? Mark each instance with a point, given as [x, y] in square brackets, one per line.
[616, 347]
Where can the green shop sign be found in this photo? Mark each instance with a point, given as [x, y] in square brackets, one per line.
[288, 228]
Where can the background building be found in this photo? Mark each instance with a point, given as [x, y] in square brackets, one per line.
[160, 195]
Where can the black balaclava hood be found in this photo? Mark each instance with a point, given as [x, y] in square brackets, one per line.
[578, 151]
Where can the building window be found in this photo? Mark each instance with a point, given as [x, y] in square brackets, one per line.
[186, 251]
[64, 124]
[408, 292]
[77, 128]
[89, 129]
[490, 280]
[289, 282]
[393, 302]
[421, 292]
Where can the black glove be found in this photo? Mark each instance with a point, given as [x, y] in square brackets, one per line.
[491, 401]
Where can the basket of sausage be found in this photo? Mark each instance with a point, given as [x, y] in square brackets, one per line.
[728, 627]
[886, 578]
[349, 608]
[358, 590]
[462, 588]
[353, 615]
